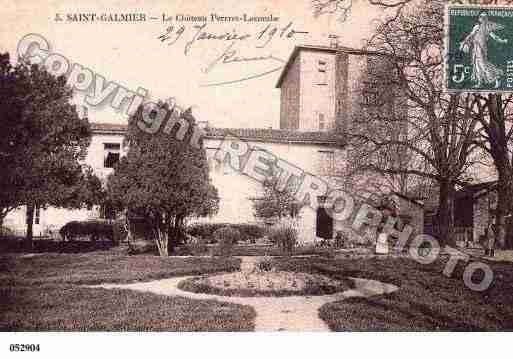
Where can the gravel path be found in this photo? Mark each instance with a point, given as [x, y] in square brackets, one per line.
[294, 313]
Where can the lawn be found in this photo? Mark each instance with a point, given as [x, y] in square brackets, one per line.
[426, 299]
[44, 292]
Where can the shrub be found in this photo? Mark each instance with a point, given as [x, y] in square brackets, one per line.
[224, 247]
[197, 246]
[119, 232]
[340, 239]
[141, 246]
[226, 237]
[204, 230]
[6, 232]
[284, 235]
[247, 231]
[94, 229]
[228, 233]
[250, 231]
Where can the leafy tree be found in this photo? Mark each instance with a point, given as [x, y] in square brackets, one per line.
[275, 203]
[163, 179]
[43, 144]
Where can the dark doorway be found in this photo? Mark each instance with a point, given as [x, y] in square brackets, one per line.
[324, 227]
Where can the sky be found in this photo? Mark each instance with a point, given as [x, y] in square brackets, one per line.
[132, 55]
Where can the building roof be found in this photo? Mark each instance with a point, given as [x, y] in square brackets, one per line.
[108, 128]
[249, 134]
[328, 49]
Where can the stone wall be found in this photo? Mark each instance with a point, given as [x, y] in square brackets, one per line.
[318, 90]
[481, 215]
[290, 97]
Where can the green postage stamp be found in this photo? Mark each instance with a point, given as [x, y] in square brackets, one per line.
[479, 49]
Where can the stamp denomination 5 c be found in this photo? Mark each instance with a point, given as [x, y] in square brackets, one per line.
[479, 49]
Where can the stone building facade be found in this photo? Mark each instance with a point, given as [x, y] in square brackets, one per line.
[317, 153]
[320, 87]
[319, 93]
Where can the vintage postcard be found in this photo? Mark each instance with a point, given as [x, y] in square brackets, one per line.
[254, 166]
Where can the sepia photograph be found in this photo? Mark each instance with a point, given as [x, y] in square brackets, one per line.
[266, 167]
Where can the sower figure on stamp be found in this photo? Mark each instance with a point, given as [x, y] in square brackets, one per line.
[483, 71]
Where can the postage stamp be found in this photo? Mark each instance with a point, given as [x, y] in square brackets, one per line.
[479, 51]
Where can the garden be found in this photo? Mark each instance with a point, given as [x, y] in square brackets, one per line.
[107, 288]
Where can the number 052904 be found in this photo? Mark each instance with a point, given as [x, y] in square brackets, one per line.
[24, 348]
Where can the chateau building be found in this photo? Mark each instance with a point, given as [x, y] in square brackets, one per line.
[318, 86]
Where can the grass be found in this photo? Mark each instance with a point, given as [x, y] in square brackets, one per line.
[272, 250]
[425, 301]
[80, 269]
[44, 292]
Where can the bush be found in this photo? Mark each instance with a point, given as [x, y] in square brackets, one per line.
[119, 232]
[284, 235]
[228, 233]
[6, 232]
[94, 229]
[224, 247]
[247, 231]
[250, 231]
[197, 246]
[226, 237]
[341, 239]
[142, 246]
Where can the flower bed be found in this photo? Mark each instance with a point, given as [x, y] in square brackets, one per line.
[265, 284]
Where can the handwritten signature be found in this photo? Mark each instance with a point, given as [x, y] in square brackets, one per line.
[231, 54]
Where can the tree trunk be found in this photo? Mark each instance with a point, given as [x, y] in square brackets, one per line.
[445, 213]
[500, 225]
[175, 232]
[2, 224]
[30, 227]
[162, 240]
[496, 132]
[171, 234]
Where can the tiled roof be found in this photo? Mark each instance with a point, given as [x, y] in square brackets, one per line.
[108, 127]
[273, 135]
[250, 134]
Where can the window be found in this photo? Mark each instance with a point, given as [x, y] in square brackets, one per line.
[326, 162]
[322, 124]
[370, 98]
[322, 72]
[107, 212]
[37, 215]
[213, 164]
[111, 154]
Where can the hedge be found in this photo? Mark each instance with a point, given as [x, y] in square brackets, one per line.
[206, 230]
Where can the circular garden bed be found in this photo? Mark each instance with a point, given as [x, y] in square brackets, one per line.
[265, 284]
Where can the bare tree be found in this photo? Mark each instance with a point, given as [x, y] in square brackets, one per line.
[343, 7]
[496, 118]
[423, 132]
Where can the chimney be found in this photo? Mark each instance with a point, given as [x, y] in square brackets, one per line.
[333, 41]
[84, 111]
